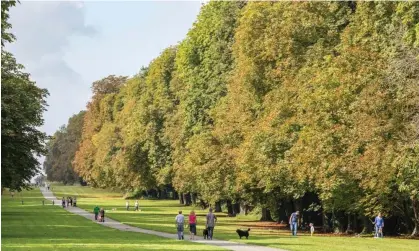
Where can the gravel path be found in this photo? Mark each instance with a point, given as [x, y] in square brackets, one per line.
[123, 227]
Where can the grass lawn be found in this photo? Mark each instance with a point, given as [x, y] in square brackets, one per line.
[159, 215]
[32, 226]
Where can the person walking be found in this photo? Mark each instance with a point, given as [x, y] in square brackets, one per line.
[211, 220]
[293, 221]
[96, 211]
[379, 225]
[127, 205]
[63, 202]
[75, 202]
[192, 225]
[180, 221]
[136, 205]
[71, 201]
[102, 215]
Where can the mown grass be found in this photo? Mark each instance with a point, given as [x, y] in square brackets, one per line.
[159, 215]
[32, 226]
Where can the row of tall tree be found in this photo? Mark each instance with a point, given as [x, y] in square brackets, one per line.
[22, 105]
[272, 105]
[61, 150]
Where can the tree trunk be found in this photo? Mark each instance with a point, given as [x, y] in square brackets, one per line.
[181, 201]
[325, 220]
[218, 207]
[266, 215]
[203, 204]
[415, 206]
[408, 216]
[282, 213]
[244, 208]
[355, 223]
[186, 199]
[230, 210]
[337, 222]
[193, 197]
[163, 194]
[334, 225]
[175, 195]
[278, 210]
[153, 193]
[366, 225]
[236, 208]
[349, 228]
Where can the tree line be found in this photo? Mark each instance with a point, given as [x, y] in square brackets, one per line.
[61, 148]
[269, 106]
[22, 106]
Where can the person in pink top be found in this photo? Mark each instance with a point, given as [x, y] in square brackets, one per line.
[192, 225]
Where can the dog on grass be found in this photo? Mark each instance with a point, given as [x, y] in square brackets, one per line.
[243, 233]
[205, 233]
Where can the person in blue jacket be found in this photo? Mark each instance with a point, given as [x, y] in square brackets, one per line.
[379, 225]
[293, 221]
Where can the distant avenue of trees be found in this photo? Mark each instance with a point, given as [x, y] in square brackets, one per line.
[61, 150]
[269, 106]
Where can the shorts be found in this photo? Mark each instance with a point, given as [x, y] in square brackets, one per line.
[192, 228]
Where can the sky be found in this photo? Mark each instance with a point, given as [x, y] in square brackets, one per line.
[66, 46]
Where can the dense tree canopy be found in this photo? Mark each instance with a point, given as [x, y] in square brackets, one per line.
[275, 106]
[61, 150]
[22, 105]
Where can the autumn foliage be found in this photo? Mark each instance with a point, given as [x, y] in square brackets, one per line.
[274, 106]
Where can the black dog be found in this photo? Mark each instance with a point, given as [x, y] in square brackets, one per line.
[205, 233]
[243, 233]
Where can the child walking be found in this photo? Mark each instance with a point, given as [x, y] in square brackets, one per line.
[311, 229]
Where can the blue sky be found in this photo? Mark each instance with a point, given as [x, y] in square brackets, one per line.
[65, 46]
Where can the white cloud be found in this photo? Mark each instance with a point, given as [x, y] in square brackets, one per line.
[43, 31]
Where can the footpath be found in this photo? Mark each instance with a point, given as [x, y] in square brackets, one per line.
[229, 245]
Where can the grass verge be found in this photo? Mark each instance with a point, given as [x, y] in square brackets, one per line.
[159, 215]
[32, 226]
